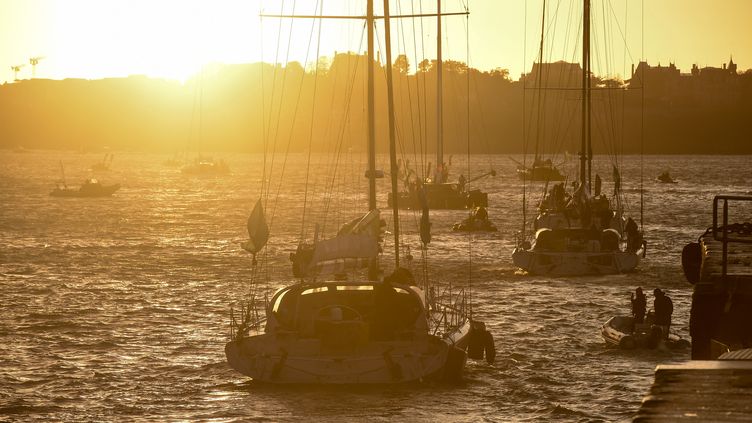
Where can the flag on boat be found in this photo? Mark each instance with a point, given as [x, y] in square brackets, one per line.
[258, 230]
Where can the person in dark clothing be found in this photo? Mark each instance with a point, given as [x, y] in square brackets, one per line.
[634, 238]
[639, 303]
[663, 308]
[461, 183]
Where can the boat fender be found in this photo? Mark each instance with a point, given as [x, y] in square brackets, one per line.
[475, 345]
[692, 261]
[627, 342]
[481, 343]
[488, 345]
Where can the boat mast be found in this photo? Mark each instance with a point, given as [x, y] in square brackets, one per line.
[439, 92]
[586, 152]
[392, 137]
[370, 20]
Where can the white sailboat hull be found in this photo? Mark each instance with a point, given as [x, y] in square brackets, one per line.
[274, 359]
[554, 263]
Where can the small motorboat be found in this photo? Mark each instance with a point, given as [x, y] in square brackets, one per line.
[665, 178]
[477, 222]
[622, 332]
[90, 188]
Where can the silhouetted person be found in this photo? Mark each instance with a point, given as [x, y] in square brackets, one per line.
[639, 303]
[480, 214]
[461, 182]
[634, 239]
[663, 307]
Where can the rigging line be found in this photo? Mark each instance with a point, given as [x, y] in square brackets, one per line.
[469, 241]
[424, 166]
[281, 97]
[609, 94]
[524, 136]
[267, 135]
[407, 83]
[319, 5]
[341, 136]
[265, 140]
[538, 83]
[624, 72]
[559, 135]
[623, 34]
[642, 114]
[417, 94]
[290, 132]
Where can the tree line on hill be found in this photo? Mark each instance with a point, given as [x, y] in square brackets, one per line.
[251, 107]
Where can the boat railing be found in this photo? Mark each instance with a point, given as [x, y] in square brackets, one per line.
[725, 233]
[451, 309]
[248, 317]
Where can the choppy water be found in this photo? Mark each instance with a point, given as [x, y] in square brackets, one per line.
[117, 308]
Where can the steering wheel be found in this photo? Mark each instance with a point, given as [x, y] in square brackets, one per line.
[357, 314]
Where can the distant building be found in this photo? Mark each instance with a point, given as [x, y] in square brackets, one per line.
[559, 74]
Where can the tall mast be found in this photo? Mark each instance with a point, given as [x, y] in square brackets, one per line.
[371, 113]
[589, 107]
[585, 149]
[392, 137]
[439, 92]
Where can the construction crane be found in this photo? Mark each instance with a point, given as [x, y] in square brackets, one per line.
[34, 61]
[16, 69]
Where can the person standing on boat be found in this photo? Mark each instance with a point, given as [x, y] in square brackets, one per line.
[663, 307]
[639, 303]
[461, 183]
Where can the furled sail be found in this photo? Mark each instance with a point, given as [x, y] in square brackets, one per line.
[355, 245]
[258, 230]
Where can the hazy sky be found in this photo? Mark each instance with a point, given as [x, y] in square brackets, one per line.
[172, 38]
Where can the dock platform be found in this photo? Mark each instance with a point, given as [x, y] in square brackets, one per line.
[701, 391]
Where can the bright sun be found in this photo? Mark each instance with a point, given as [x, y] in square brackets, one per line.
[165, 38]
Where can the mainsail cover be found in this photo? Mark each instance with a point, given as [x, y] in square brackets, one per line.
[258, 230]
[355, 245]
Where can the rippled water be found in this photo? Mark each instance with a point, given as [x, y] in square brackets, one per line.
[118, 308]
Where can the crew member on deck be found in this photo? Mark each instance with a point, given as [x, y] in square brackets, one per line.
[663, 307]
[639, 302]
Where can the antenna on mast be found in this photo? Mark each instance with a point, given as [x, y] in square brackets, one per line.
[16, 69]
[34, 61]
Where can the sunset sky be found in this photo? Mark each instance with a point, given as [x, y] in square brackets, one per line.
[173, 38]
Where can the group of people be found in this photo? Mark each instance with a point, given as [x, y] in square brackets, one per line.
[663, 307]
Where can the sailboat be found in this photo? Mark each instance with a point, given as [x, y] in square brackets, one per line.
[542, 170]
[202, 165]
[89, 188]
[581, 232]
[338, 327]
[105, 164]
[439, 191]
